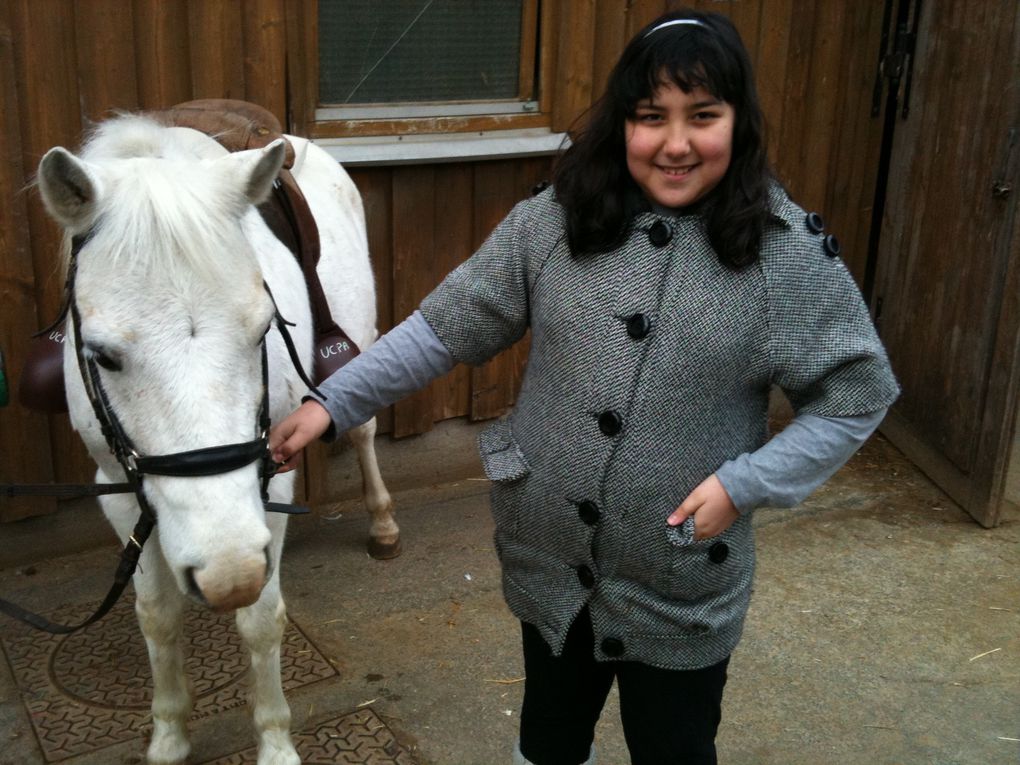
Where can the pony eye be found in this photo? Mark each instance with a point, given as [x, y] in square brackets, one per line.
[103, 359]
[108, 364]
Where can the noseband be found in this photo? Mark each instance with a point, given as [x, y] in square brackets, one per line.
[208, 461]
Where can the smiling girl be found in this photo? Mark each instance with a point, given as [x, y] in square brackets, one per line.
[668, 282]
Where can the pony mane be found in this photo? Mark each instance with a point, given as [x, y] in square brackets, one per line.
[163, 206]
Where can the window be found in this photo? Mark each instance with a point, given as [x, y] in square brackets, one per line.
[411, 67]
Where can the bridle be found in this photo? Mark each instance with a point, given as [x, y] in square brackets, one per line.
[208, 461]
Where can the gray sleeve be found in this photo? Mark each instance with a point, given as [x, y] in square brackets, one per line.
[796, 461]
[404, 360]
[482, 306]
[823, 347]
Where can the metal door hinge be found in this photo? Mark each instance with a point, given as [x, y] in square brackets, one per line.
[895, 61]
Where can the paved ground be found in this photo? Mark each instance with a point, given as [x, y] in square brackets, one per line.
[885, 629]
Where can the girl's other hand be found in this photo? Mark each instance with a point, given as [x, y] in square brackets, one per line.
[711, 507]
[292, 434]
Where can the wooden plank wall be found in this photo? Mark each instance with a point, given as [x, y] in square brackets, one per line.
[65, 63]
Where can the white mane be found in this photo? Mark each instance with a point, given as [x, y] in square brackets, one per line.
[166, 204]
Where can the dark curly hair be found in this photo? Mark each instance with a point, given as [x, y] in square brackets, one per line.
[591, 178]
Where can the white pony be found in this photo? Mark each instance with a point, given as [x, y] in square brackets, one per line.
[169, 289]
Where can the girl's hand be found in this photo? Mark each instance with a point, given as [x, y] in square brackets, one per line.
[295, 432]
[711, 507]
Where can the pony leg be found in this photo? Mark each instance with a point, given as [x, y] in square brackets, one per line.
[383, 533]
[160, 615]
[160, 610]
[159, 607]
[261, 627]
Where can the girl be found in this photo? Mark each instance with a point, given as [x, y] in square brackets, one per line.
[668, 282]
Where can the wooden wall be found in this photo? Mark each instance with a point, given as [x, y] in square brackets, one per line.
[67, 63]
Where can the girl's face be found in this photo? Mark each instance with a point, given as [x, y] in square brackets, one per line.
[679, 144]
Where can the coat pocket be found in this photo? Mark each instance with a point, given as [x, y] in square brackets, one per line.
[502, 459]
[506, 467]
[704, 568]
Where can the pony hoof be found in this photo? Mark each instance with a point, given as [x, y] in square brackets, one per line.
[384, 550]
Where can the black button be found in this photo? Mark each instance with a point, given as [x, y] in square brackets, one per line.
[660, 233]
[718, 552]
[612, 646]
[586, 577]
[589, 512]
[539, 187]
[814, 222]
[638, 326]
[832, 248]
[610, 423]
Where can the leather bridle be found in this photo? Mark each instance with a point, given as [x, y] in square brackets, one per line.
[208, 461]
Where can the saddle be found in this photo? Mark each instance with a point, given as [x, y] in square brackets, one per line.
[237, 126]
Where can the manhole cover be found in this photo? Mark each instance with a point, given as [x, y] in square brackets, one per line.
[357, 738]
[91, 689]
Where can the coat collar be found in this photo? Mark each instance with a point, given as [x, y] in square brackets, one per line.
[783, 209]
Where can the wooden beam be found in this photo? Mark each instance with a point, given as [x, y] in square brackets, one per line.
[162, 53]
[217, 42]
[302, 65]
[265, 55]
[641, 12]
[856, 138]
[548, 48]
[415, 197]
[574, 62]
[771, 69]
[528, 50]
[31, 460]
[454, 243]
[107, 71]
[50, 115]
[610, 40]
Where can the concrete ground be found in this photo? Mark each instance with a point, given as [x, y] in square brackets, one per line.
[884, 629]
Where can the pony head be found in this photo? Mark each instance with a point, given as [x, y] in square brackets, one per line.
[173, 310]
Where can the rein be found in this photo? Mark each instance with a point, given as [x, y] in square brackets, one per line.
[208, 461]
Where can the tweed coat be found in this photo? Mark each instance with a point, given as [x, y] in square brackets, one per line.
[649, 367]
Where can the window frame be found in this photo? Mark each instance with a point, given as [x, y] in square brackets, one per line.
[403, 122]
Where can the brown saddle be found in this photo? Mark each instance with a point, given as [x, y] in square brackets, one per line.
[237, 126]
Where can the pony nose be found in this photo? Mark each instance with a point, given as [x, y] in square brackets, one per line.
[228, 585]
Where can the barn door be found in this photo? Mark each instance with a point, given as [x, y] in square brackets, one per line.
[946, 282]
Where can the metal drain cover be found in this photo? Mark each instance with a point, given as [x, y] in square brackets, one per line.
[357, 738]
[89, 690]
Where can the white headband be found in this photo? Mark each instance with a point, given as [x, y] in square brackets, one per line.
[665, 24]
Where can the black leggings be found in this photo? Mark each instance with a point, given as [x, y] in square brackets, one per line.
[670, 717]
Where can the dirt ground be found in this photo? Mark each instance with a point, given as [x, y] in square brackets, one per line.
[884, 629]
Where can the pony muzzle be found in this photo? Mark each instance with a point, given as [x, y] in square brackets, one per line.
[227, 586]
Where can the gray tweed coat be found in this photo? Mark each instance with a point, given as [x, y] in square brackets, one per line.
[650, 366]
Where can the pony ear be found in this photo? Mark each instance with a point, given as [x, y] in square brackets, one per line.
[259, 168]
[69, 189]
